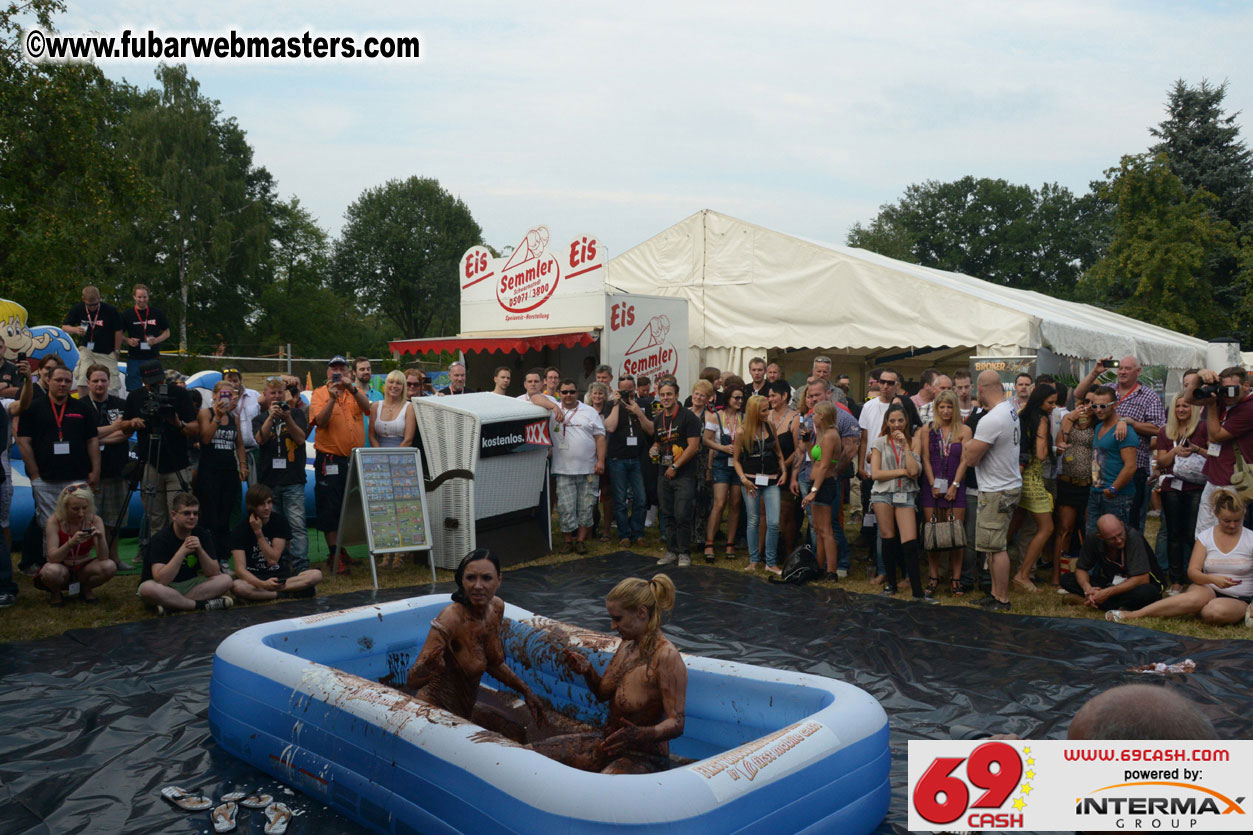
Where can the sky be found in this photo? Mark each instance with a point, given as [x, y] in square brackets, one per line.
[622, 119]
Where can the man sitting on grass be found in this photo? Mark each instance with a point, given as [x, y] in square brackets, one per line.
[180, 571]
[263, 568]
[1116, 570]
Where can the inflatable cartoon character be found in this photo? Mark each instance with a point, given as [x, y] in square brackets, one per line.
[36, 342]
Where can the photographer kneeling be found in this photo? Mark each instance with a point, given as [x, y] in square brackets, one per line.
[1229, 421]
[165, 417]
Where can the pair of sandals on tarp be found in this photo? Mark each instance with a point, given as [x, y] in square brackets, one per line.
[224, 817]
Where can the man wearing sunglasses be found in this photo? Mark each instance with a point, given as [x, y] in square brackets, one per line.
[181, 572]
[1113, 461]
[578, 435]
[627, 428]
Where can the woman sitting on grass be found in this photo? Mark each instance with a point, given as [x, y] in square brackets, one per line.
[75, 544]
[1221, 572]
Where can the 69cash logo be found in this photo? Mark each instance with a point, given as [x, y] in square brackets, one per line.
[986, 790]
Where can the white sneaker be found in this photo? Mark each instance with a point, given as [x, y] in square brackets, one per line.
[1248, 617]
[684, 561]
[669, 558]
[650, 518]
[841, 573]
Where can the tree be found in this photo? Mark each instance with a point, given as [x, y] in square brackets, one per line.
[66, 193]
[990, 229]
[1205, 151]
[1164, 246]
[296, 304]
[207, 230]
[398, 253]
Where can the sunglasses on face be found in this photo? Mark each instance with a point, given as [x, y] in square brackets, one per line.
[414, 385]
[1101, 406]
[568, 391]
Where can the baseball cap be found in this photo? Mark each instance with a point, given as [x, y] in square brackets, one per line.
[338, 359]
[152, 372]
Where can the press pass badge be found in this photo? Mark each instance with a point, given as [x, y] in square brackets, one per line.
[332, 469]
[761, 480]
[900, 498]
[632, 440]
[1213, 450]
[279, 464]
[941, 483]
[1176, 484]
[61, 448]
[73, 589]
[144, 346]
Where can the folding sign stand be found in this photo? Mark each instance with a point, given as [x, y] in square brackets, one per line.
[385, 504]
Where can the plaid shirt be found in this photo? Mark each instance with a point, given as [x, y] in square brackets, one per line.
[1145, 405]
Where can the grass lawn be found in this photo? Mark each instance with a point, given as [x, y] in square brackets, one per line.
[32, 617]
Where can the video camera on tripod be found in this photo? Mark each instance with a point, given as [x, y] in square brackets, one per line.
[160, 406]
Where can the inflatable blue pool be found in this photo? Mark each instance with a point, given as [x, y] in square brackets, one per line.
[763, 750]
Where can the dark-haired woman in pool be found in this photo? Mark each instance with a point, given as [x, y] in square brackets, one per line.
[464, 643]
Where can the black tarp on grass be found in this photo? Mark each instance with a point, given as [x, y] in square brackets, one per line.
[97, 721]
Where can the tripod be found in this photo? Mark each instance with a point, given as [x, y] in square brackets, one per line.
[148, 489]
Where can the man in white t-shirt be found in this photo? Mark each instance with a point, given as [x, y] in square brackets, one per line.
[994, 455]
[578, 435]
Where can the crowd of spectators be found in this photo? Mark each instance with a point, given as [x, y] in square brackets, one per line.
[1028, 469]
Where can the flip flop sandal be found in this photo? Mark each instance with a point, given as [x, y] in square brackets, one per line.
[234, 797]
[224, 817]
[185, 800]
[277, 816]
[257, 801]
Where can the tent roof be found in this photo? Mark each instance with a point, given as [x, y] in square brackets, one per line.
[751, 286]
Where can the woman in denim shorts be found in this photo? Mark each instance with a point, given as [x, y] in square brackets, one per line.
[720, 431]
[895, 464]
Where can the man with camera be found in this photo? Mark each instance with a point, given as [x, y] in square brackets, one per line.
[339, 409]
[247, 406]
[57, 437]
[1229, 421]
[1139, 408]
[280, 432]
[164, 415]
[627, 428]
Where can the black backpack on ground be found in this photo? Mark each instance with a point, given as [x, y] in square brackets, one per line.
[799, 568]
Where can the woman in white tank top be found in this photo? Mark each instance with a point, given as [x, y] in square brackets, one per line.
[391, 419]
[1221, 571]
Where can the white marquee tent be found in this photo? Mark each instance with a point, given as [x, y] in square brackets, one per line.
[750, 289]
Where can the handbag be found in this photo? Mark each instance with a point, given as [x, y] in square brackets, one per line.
[943, 534]
[1242, 476]
[1189, 468]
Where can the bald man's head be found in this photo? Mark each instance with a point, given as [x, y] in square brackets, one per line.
[1110, 526]
[1140, 711]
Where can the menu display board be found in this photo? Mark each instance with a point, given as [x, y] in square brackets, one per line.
[385, 501]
